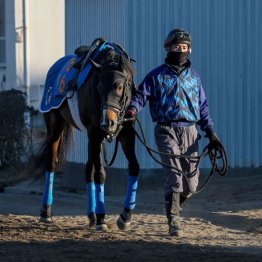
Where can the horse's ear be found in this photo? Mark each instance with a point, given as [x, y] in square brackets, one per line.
[97, 66]
[121, 63]
[132, 60]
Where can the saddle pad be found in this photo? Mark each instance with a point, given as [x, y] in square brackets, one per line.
[56, 84]
[62, 72]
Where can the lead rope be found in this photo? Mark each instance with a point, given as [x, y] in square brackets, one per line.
[107, 163]
[208, 150]
[213, 153]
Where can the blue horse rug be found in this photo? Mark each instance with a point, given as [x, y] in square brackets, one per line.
[62, 73]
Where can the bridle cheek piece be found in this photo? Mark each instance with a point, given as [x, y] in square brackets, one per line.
[119, 105]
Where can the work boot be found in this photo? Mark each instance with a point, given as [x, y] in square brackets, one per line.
[175, 227]
[101, 223]
[182, 202]
[173, 213]
[124, 220]
[46, 213]
[92, 220]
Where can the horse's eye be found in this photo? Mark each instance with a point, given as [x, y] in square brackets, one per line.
[120, 87]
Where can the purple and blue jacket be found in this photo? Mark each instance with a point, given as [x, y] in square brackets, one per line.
[174, 98]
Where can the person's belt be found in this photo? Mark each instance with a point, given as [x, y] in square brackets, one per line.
[177, 123]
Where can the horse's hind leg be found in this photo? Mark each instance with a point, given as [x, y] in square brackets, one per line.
[127, 139]
[55, 125]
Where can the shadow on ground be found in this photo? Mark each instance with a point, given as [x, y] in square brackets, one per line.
[108, 249]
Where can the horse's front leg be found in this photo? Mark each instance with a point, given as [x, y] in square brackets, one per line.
[127, 140]
[95, 180]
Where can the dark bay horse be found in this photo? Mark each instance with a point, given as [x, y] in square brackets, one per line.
[102, 101]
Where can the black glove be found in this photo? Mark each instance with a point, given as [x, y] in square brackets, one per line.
[130, 115]
[213, 138]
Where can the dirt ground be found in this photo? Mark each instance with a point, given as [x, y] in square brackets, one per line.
[222, 223]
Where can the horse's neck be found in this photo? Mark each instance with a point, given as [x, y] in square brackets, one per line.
[89, 102]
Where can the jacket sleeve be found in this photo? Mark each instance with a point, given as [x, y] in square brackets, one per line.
[142, 94]
[206, 124]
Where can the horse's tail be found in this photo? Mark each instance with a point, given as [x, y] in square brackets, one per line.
[40, 162]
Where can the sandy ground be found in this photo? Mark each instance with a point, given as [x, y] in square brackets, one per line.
[222, 223]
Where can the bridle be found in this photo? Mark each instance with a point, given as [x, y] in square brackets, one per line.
[118, 106]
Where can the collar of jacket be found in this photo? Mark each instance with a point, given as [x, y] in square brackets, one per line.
[178, 68]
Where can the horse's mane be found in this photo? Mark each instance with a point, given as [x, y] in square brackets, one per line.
[110, 58]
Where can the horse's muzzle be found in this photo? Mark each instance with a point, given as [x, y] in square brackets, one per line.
[109, 121]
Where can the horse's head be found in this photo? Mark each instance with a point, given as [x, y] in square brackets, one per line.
[115, 89]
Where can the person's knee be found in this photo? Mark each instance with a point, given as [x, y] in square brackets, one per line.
[193, 185]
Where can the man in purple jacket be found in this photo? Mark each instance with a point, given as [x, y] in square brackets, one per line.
[177, 103]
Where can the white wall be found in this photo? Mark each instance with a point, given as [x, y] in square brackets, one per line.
[10, 45]
[47, 36]
[44, 39]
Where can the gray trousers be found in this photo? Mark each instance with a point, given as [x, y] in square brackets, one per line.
[178, 140]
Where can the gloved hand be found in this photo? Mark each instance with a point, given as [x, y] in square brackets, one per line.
[213, 138]
[130, 114]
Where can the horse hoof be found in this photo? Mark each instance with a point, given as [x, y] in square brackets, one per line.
[102, 227]
[92, 220]
[46, 214]
[45, 219]
[123, 225]
[92, 224]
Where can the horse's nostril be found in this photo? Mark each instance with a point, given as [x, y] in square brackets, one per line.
[111, 123]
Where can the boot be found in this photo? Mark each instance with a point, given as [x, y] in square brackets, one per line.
[46, 214]
[124, 220]
[182, 202]
[173, 213]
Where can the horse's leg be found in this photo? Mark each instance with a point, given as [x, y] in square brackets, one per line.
[55, 125]
[91, 192]
[127, 140]
[95, 179]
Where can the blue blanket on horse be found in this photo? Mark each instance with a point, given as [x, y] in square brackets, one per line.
[62, 73]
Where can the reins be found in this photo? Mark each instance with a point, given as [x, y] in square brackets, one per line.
[108, 164]
[214, 153]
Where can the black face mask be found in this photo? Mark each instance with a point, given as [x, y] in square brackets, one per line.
[177, 58]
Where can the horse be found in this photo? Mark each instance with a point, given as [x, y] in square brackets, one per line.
[102, 102]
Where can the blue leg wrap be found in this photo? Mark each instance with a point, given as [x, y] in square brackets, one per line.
[100, 199]
[91, 197]
[47, 198]
[130, 200]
